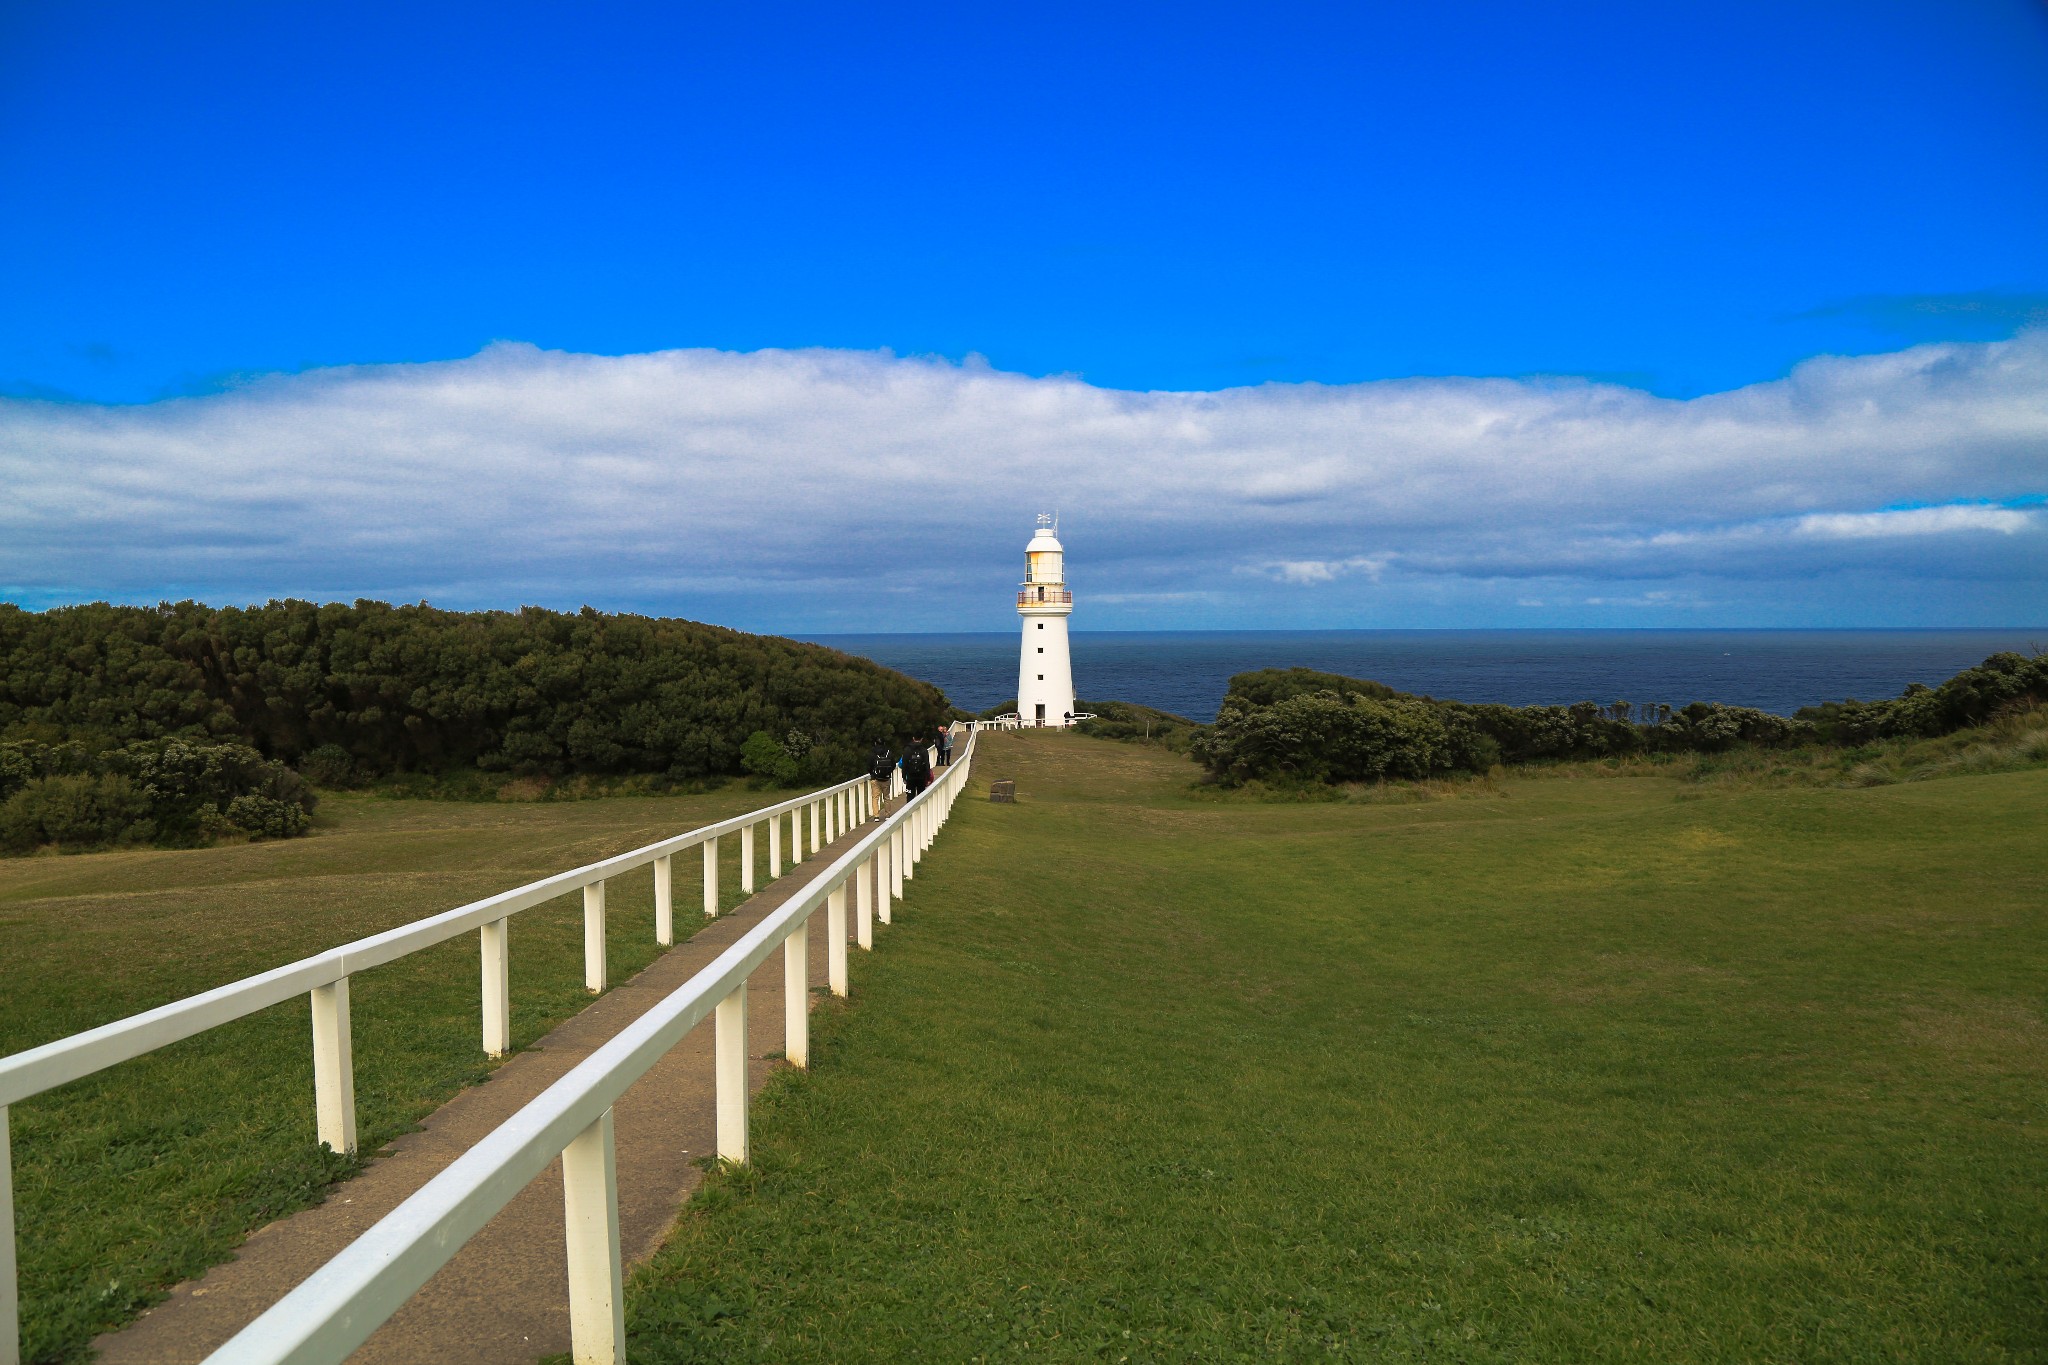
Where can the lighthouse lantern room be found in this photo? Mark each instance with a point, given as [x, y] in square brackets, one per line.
[1045, 675]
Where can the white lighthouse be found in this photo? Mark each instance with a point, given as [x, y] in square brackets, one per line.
[1045, 675]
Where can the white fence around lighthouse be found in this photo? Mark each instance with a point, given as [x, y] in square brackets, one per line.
[892, 848]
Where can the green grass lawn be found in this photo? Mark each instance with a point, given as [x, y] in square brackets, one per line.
[1552, 1069]
[143, 1175]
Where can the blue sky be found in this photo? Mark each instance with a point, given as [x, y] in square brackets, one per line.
[1622, 211]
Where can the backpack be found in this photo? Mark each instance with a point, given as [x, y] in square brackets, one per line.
[879, 765]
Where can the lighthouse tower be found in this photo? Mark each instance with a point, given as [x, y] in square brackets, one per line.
[1045, 675]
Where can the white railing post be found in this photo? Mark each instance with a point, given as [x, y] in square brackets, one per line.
[334, 1071]
[833, 823]
[815, 844]
[864, 924]
[883, 863]
[496, 939]
[729, 1023]
[835, 939]
[774, 847]
[665, 900]
[747, 859]
[902, 871]
[711, 876]
[593, 938]
[10, 1296]
[597, 1280]
[796, 995]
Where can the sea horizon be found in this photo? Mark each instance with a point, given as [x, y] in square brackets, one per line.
[1777, 669]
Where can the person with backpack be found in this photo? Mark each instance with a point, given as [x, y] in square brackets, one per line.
[917, 769]
[880, 764]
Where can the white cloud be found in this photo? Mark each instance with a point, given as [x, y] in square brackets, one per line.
[817, 486]
[1915, 521]
[1321, 570]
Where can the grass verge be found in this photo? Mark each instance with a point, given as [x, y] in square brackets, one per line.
[1578, 1072]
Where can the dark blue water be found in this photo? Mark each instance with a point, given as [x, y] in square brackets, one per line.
[1186, 671]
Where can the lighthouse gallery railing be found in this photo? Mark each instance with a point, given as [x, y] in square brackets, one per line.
[324, 978]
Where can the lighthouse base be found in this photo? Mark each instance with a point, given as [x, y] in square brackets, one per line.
[1045, 671]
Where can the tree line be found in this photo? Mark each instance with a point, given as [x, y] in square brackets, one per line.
[1299, 725]
[345, 693]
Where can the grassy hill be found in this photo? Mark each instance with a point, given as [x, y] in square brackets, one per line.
[1554, 1068]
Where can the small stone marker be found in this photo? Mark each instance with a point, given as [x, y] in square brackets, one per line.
[1004, 791]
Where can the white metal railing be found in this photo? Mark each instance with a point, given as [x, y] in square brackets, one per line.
[1012, 721]
[336, 1309]
[324, 978]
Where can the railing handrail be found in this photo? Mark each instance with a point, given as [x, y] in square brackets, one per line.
[332, 1312]
[63, 1060]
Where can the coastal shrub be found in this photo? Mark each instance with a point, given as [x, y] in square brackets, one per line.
[170, 792]
[1298, 725]
[411, 689]
[74, 811]
[328, 765]
[1268, 686]
[766, 756]
[2003, 684]
[267, 816]
[1325, 736]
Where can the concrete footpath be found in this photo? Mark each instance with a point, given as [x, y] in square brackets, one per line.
[504, 1297]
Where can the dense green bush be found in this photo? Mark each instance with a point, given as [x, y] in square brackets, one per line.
[780, 761]
[1325, 736]
[74, 810]
[1266, 686]
[2002, 684]
[165, 791]
[1297, 725]
[356, 693]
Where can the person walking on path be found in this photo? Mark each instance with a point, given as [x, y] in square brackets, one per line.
[917, 769]
[880, 764]
[945, 746]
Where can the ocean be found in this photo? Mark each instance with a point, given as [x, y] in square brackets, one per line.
[1185, 672]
